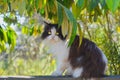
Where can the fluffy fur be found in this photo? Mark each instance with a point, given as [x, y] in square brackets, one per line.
[86, 60]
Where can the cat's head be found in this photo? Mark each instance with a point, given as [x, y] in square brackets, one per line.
[52, 33]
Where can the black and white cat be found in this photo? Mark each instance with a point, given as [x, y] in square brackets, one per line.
[86, 60]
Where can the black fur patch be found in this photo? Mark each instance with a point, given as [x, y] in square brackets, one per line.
[91, 58]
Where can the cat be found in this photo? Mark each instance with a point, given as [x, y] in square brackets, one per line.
[85, 61]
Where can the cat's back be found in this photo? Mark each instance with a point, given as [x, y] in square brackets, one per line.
[80, 49]
[88, 56]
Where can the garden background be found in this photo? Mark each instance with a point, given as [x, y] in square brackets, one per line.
[21, 24]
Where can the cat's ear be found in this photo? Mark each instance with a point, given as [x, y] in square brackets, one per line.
[46, 23]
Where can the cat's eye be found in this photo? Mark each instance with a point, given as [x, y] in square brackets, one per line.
[49, 32]
[57, 33]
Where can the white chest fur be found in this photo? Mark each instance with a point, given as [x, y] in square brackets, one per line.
[59, 50]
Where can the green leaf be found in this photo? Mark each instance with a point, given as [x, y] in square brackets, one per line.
[69, 14]
[66, 3]
[74, 25]
[1, 34]
[2, 46]
[80, 34]
[25, 30]
[74, 29]
[37, 3]
[60, 15]
[65, 25]
[103, 3]
[80, 3]
[31, 30]
[11, 38]
[14, 5]
[73, 21]
[93, 4]
[112, 4]
[21, 7]
[5, 35]
[9, 4]
[75, 10]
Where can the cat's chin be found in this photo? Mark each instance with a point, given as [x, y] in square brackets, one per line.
[53, 41]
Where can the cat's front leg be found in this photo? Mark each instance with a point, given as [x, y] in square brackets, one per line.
[57, 73]
[60, 69]
[69, 71]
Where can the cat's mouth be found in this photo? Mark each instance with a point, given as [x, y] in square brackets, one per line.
[53, 40]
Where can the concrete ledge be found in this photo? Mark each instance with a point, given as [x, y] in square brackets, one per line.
[53, 78]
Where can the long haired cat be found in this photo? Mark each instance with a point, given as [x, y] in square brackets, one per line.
[85, 61]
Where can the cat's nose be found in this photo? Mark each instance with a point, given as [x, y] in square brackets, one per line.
[53, 37]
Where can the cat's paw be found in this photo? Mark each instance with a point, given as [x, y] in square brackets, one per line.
[68, 73]
[56, 73]
[77, 72]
